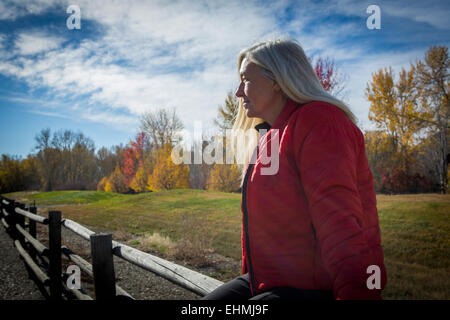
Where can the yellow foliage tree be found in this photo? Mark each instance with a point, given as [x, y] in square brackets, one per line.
[108, 187]
[116, 182]
[139, 182]
[395, 109]
[102, 184]
[166, 174]
[224, 177]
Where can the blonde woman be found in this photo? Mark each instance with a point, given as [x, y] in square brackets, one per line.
[310, 226]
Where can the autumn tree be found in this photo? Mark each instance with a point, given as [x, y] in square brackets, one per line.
[227, 113]
[166, 174]
[433, 85]
[102, 184]
[221, 176]
[108, 158]
[66, 160]
[379, 156]
[224, 177]
[428, 162]
[161, 126]
[29, 169]
[133, 157]
[332, 80]
[140, 180]
[11, 178]
[394, 109]
[83, 172]
[199, 172]
[116, 182]
[46, 158]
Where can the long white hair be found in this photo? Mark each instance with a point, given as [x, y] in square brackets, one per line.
[284, 62]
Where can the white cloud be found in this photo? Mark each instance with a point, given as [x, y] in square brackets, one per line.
[2, 40]
[431, 11]
[11, 10]
[36, 42]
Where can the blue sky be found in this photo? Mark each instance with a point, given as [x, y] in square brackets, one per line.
[133, 56]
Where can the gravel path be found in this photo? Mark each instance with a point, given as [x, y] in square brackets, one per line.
[14, 281]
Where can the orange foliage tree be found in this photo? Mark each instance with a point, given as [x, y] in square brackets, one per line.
[133, 157]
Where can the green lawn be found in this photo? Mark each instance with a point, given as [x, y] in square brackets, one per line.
[415, 229]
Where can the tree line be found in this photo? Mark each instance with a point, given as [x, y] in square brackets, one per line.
[407, 152]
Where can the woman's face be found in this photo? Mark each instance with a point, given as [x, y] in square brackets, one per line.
[258, 92]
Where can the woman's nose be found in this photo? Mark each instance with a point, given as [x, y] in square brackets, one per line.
[239, 91]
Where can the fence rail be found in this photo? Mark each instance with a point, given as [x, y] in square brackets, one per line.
[103, 248]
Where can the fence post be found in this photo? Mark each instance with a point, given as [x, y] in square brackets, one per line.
[103, 266]
[32, 231]
[20, 220]
[1, 206]
[12, 218]
[54, 232]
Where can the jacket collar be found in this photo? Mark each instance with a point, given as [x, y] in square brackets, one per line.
[282, 118]
[263, 126]
[285, 114]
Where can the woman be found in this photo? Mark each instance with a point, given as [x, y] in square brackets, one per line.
[310, 229]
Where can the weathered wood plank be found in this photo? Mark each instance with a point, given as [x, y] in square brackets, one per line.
[184, 277]
[40, 248]
[31, 216]
[5, 224]
[33, 266]
[77, 228]
[79, 261]
[78, 294]
[32, 231]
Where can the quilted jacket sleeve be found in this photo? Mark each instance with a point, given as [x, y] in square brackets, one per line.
[327, 158]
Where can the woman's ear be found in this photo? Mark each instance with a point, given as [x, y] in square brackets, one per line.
[276, 87]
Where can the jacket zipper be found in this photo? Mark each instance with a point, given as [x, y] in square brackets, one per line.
[244, 207]
[247, 241]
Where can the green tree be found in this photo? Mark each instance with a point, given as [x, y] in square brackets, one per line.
[161, 127]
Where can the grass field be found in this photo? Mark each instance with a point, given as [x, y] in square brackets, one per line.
[415, 229]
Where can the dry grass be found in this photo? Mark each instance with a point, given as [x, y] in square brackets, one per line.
[195, 244]
[121, 235]
[155, 241]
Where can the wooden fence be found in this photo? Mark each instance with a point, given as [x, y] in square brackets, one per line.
[13, 217]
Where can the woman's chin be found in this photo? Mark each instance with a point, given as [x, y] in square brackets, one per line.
[249, 113]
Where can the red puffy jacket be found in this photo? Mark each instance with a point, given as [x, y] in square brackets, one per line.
[314, 224]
